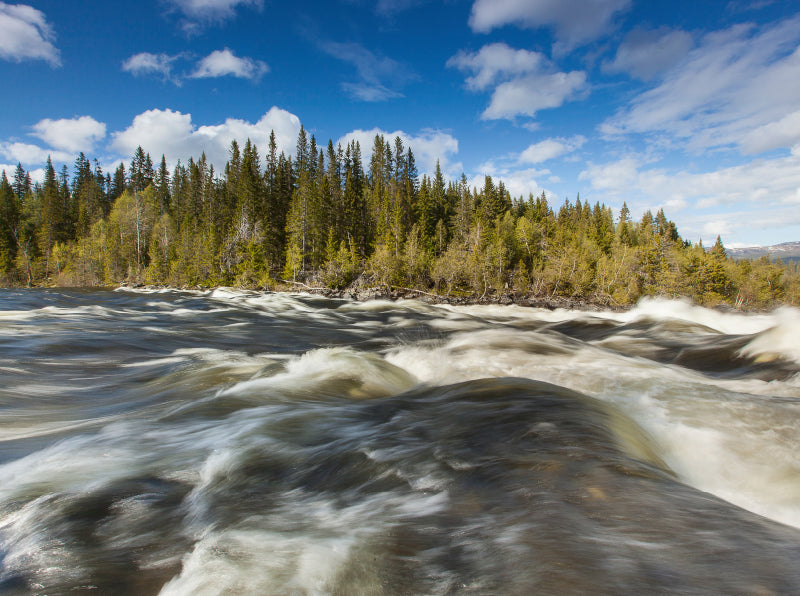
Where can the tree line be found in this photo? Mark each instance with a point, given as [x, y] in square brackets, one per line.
[324, 217]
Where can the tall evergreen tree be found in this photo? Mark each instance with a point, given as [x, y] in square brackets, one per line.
[9, 225]
[141, 174]
[52, 222]
[162, 183]
[297, 222]
[118, 183]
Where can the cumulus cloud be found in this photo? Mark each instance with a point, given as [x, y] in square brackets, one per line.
[36, 175]
[379, 76]
[219, 63]
[222, 63]
[574, 21]
[645, 54]
[551, 148]
[524, 82]
[174, 135]
[28, 154]
[530, 94]
[202, 12]
[495, 62]
[25, 34]
[65, 138]
[428, 146]
[733, 90]
[145, 63]
[70, 134]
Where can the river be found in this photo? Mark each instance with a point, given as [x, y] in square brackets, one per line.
[234, 442]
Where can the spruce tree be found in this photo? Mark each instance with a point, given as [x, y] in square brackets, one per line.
[162, 182]
[9, 225]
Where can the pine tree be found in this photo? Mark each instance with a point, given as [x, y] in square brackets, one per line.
[22, 185]
[276, 202]
[142, 174]
[162, 182]
[52, 223]
[297, 222]
[9, 225]
[357, 221]
[624, 227]
[118, 183]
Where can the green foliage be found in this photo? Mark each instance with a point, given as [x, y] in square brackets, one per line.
[322, 215]
[341, 264]
[386, 267]
[451, 270]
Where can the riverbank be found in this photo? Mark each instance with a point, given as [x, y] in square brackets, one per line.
[362, 290]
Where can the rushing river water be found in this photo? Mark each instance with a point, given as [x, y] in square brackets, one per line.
[231, 442]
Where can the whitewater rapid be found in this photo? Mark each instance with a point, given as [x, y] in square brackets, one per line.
[231, 441]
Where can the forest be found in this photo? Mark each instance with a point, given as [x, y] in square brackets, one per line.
[325, 219]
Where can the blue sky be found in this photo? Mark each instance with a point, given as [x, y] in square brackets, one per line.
[689, 106]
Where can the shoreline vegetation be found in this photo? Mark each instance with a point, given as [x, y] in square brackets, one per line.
[322, 222]
[362, 290]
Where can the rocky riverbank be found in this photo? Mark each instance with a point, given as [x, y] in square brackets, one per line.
[363, 290]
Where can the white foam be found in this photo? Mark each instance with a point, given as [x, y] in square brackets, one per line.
[27, 544]
[732, 323]
[733, 438]
[372, 375]
[277, 302]
[245, 561]
[781, 340]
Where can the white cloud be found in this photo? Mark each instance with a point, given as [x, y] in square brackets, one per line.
[9, 170]
[719, 227]
[70, 134]
[616, 177]
[146, 63]
[734, 90]
[550, 149]
[428, 146]
[496, 62]
[733, 196]
[174, 134]
[530, 94]
[780, 133]
[519, 178]
[222, 63]
[519, 183]
[575, 21]
[37, 175]
[525, 81]
[27, 154]
[219, 63]
[26, 34]
[646, 54]
[211, 10]
[379, 76]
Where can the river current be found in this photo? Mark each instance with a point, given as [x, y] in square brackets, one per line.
[233, 442]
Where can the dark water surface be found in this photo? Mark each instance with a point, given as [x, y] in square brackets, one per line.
[233, 442]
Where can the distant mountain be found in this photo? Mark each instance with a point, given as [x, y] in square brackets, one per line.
[787, 251]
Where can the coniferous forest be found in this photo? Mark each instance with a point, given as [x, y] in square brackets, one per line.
[326, 219]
